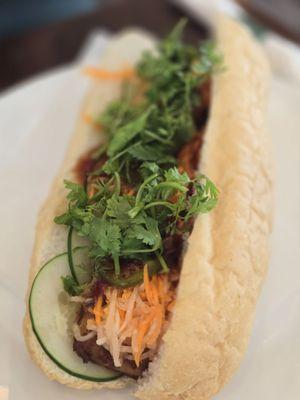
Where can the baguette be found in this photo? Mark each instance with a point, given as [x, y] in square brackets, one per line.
[227, 254]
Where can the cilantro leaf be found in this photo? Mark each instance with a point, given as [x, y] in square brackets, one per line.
[141, 233]
[77, 194]
[148, 169]
[117, 208]
[106, 235]
[205, 197]
[173, 175]
[211, 60]
[120, 112]
[71, 286]
[126, 133]
[148, 234]
[149, 153]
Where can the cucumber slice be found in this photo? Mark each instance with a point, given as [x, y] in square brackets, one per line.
[78, 258]
[52, 316]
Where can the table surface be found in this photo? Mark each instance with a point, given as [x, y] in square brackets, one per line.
[24, 55]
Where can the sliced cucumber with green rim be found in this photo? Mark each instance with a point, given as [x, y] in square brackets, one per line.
[52, 316]
[78, 258]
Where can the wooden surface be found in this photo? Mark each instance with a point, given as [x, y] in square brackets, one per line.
[26, 55]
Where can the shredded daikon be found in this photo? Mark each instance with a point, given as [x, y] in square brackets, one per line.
[82, 338]
[130, 322]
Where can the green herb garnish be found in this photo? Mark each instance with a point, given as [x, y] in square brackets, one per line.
[133, 226]
[157, 127]
[71, 286]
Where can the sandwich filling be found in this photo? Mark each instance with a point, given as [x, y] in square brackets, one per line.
[135, 201]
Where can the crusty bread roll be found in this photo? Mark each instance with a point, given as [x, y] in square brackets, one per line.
[227, 256]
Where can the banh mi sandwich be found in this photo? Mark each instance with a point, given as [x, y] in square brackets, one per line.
[153, 243]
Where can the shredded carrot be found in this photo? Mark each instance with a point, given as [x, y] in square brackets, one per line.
[104, 74]
[161, 290]
[98, 310]
[154, 290]
[142, 329]
[90, 120]
[158, 323]
[143, 295]
[126, 294]
[171, 305]
[130, 192]
[122, 314]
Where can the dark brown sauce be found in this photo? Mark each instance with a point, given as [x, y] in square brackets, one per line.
[189, 155]
[200, 112]
[87, 164]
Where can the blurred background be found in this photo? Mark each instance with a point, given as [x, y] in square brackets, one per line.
[37, 35]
